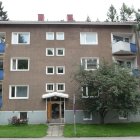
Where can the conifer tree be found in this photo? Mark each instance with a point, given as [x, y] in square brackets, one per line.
[112, 14]
[3, 14]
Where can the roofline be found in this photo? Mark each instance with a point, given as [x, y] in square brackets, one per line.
[10, 22]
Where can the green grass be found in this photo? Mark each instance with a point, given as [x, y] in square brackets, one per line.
[23, 131]
[106, 130]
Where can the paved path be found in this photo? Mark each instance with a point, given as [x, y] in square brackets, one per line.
[55, 130]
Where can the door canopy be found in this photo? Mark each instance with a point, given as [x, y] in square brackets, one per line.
[55, 94]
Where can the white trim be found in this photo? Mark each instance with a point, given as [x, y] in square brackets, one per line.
[83, 36]
[63, 67]
[52, 94]
[57, 36]
[49, 84]
[52, 49]
[47, 70]
[86, 58]
[10, 90]
[60, 84]
[57, 49]
[15, 40]
[47, 37]
[19, 58]
[22, 112]
[87, 119]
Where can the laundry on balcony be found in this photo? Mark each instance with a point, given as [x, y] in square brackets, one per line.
[0, 101]
[2, 47]
[1, 74]
[136, 72]
[133, 47]
[122, 47]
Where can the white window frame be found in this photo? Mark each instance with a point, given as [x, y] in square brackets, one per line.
[122, 117]
[48, 34]
[19, 58]
[83, 40]
[23, 112]
[87, 94]
[87, 119]
[15, 38]
[47, 49]
[86, 58]
[10, 92]
[57, 49]
[60, 36]
[47, 90]
[60, 84]
[47, 70]
[57, 67]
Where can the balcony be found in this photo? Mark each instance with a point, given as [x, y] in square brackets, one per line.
[2, 47]
[1, 74]
[124, 47]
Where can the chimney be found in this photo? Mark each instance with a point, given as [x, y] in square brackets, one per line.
[40, 17]
[69, 17]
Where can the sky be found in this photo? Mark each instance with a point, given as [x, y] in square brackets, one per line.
[56, 10]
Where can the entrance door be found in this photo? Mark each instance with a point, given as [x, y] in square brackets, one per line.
[55, 112]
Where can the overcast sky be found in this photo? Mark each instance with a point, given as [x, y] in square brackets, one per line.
[55, 10]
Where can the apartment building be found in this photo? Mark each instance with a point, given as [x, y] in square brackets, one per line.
[38, 60]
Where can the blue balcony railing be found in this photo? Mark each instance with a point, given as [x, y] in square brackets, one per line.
[2, 47]
[0, 101]
[133, 48]
[1, 74]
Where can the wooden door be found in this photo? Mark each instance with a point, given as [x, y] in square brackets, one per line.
[49, 111]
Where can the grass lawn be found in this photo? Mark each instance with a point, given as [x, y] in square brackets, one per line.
[23, 131]
[106, 130]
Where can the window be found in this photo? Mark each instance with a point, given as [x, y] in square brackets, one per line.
[60, 36]
[0, 90]
[20, 38]
[123, 115]
[89, 38]
[49, 51]
[19, 92]
[125, 64]
[49, 87]
[2, 37]
[120, 38]
[50, 70]
[60, 87]
[23, 115]
[87, 115]
[49, 35]
[89, 91]
[1, 64]
[60, 51]
[90, 63]
[19, 64]
[60, 69]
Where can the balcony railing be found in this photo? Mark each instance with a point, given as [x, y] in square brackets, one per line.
[1, 74]
[124, 46]
[2, 47]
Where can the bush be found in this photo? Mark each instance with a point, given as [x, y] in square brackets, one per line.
[17, 121]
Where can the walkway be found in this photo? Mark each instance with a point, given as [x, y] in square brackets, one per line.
[55, 130]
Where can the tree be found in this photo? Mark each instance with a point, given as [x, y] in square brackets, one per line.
[112, 14]
[110, 88]
[3, 14]
[137, 15]
[126, 13]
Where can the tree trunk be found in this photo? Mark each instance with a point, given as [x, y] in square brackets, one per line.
[102, 119]
[102, 114]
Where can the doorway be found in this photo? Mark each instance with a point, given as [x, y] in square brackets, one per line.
[55, 111]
